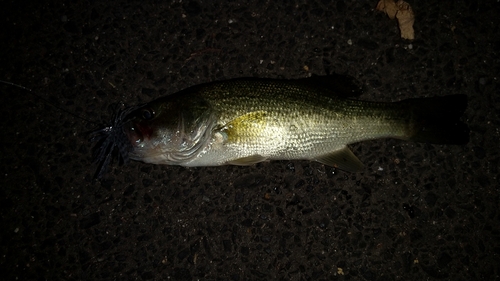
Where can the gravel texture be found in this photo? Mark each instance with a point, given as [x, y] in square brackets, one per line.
[417, 211]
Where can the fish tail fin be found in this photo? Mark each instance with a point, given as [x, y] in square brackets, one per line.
[437, 120]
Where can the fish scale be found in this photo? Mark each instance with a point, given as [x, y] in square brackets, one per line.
[325, 120]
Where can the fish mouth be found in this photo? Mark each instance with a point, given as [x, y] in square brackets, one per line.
[137, 132]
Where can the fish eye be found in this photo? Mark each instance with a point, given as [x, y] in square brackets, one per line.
[148, 114]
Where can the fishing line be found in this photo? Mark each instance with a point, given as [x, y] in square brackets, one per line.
[48, 102]
[102, 155]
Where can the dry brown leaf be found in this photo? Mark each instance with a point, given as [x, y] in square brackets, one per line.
[406, 18]
[389, 7]
[403, 12]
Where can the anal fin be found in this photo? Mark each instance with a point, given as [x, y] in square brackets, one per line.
[343, 159]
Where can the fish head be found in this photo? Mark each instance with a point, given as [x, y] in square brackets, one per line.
[167, 131]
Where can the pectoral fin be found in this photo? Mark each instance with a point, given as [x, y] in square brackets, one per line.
[343, 159]
[245, 161]
[246, 127]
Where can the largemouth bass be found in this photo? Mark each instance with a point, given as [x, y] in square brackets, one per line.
[246, 121]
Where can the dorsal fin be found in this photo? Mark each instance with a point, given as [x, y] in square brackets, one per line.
[342, 86]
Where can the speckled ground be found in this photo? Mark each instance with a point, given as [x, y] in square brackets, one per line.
[417, 212]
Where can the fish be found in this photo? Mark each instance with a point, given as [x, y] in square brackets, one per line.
[244, 121]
